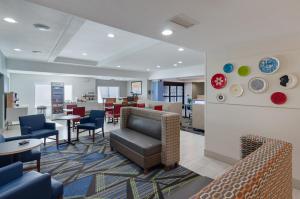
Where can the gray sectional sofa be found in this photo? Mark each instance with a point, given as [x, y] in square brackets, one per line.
[148, 137]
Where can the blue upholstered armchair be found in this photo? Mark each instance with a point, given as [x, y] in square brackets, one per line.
[31, 185]
[36, 127]
[91, 123]
[28, 156]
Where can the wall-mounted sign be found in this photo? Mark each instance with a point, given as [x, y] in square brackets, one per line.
[57, 97]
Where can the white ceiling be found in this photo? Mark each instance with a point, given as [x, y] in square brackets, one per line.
[222, 24]
[71, 36]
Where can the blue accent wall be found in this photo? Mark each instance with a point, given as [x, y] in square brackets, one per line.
[157, 88]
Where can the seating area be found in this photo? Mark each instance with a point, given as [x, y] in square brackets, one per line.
[149, 99]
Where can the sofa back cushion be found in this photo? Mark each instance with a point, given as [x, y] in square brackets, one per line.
[145, 126]
[35, 122]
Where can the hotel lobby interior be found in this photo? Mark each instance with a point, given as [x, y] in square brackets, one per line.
[149, 99]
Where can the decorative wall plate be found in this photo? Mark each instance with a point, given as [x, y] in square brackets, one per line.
[221, 97]
[218, 81]
[278, 98]
[228, 68]
[244, 70]
[269, 65]
[257, 85]
[236, 90]
[288, 81]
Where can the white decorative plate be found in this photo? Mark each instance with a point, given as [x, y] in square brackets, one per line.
[221, 97]
[257, 85]
[288, 81]
[236, 90]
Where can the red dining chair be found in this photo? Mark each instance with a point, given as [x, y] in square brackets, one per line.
[78, 111]
[158, 108]
[114, 116]
[70, 106]
[141, 105]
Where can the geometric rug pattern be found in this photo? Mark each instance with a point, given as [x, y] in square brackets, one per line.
[90, 170]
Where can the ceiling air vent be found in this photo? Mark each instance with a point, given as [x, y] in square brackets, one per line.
[184, 21]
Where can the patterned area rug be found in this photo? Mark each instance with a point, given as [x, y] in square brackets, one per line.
[186, 125]
[93, 171]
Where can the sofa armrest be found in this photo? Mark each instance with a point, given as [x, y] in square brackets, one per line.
[10, 173]
[99, 122]
[125, 111]
[84, 120]
[25, 130]
[170, 139]
[38, 186]
[250, 143]
[18, 138]
[49, 125]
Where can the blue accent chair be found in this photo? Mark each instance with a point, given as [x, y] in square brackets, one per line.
[28, 156]
[14, 184]
[91, 123]
[37, 127]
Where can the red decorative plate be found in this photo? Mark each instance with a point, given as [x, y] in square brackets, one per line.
[218, 81]
[278, 98]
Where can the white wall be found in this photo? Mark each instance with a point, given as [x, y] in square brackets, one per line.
[252, 113]
[24, 85]
[4, 85]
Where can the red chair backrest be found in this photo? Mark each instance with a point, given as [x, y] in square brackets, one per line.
[108, 104]
[141, 105]
[70, 106]
[158, 108]
[117, 110]
[79, 111]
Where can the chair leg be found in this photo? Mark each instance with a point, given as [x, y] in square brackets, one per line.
[57, 141]
[103, 131]
[89, 133]
[38, 165]
[93, 135]
[44, 141]
[60, 197]
[77, 138]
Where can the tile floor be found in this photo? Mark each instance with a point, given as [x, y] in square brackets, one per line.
[191, 151]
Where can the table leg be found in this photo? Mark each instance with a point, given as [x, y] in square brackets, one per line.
[69, 140]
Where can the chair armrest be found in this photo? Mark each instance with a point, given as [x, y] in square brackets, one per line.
[10, 173]
[26, 130]
[37, 186]
[99, 122]
[250, 143]
[18, 138]
[49, 125]
[84, 120]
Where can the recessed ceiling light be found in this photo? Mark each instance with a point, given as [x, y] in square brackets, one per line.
[158, 66]
[118, 66]
[110, 35]
[175, 65]
[36, 51]
[9, 20]
[180, 62]
[84, 54]
[167, 32]
[41, 27]
[180, 49]
[18, 49]
[148, 69]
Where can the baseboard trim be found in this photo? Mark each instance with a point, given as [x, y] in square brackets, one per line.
[220, 157]
[232, 161]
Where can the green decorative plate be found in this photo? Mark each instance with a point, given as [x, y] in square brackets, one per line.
[244, 70]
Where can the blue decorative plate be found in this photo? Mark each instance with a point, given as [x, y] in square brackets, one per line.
[269, 65]
[228, 68]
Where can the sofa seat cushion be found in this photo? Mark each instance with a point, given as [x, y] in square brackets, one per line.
[43, 133]
[32, 155]
[87, 126]
[140, 143]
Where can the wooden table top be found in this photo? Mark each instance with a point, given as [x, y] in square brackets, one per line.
[13, 147]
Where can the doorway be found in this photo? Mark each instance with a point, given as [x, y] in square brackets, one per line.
[2, 101]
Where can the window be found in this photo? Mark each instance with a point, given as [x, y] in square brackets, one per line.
[173, 92]
[43, 94]
[68, 93]
[107, 92]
